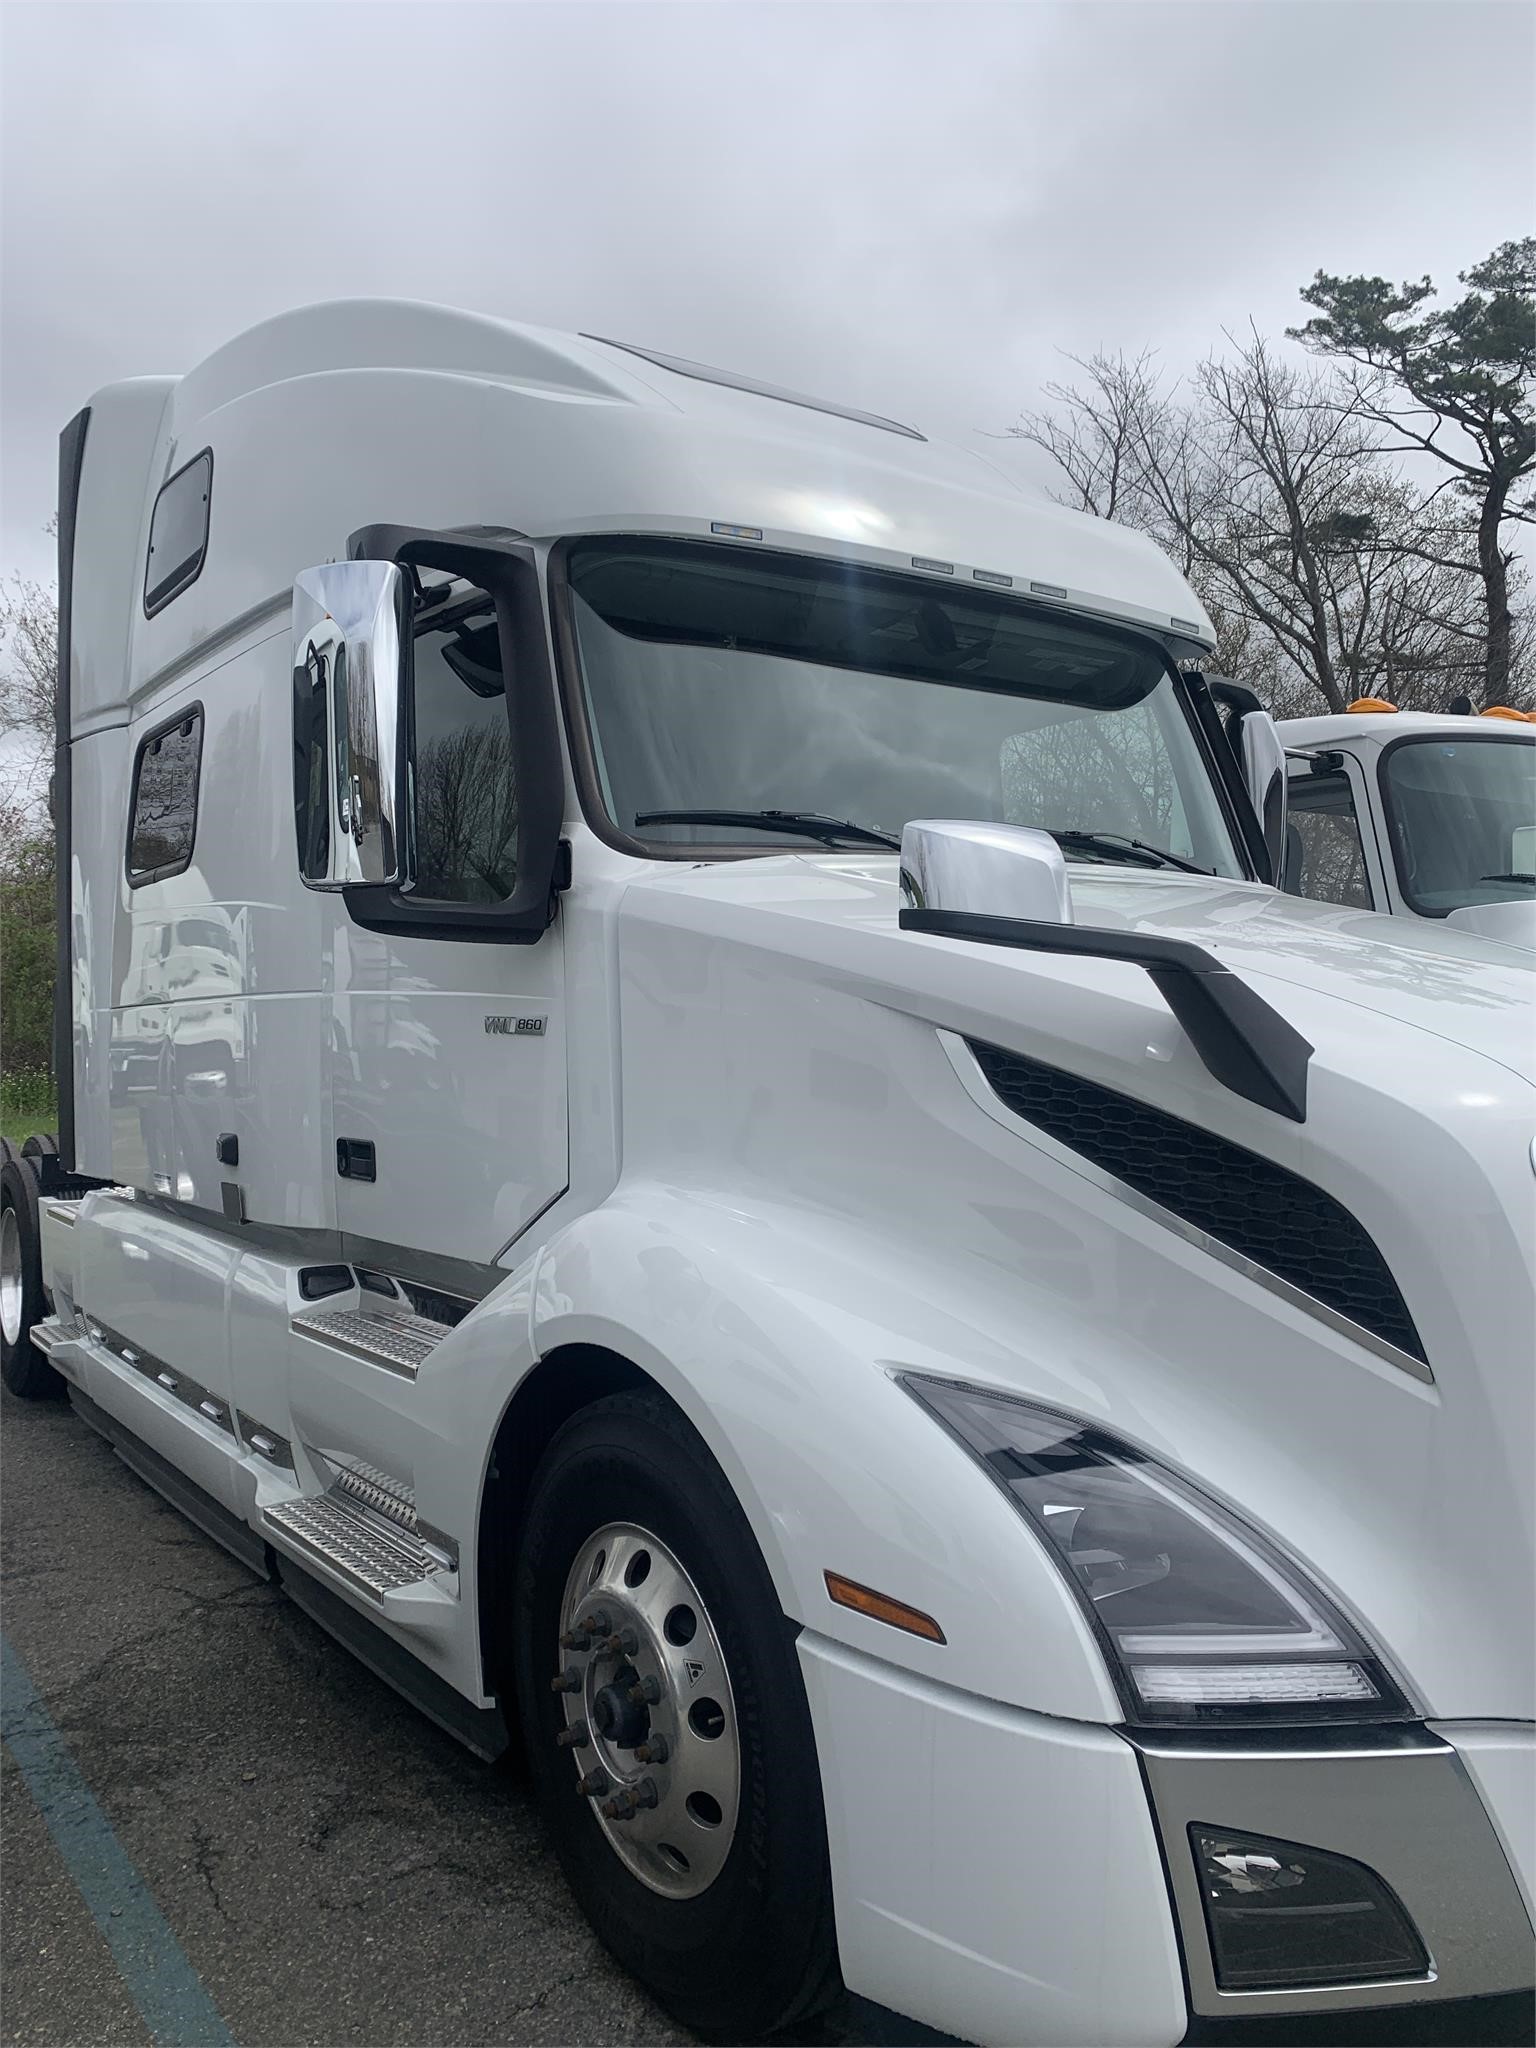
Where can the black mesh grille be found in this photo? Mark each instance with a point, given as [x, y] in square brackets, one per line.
[1266, 1212]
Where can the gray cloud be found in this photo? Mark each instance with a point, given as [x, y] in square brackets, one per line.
[907, 207]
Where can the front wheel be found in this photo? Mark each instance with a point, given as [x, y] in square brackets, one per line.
[667, 1726]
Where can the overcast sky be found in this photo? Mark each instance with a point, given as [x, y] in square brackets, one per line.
[909, 208]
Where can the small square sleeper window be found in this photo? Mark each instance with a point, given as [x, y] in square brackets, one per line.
[178, 533]
[164, 815]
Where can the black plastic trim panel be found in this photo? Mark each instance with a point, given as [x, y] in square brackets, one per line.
[1272, 1217]
[1504, 2019]
[1242, 1041]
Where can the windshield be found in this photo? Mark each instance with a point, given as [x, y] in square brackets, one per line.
[721, 680]
[1462, 818]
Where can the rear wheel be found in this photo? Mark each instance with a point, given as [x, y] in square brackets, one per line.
[666, 1724]
[24, 1369]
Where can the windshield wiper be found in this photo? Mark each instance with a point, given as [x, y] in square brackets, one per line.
[1507, 878]
[1114, 844]
[806, 824]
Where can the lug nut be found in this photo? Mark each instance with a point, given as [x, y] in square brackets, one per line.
[595, 1624]
[593, 1785]
[575, 1639]
[645, 1694]
[655, 1751]
[569, 1680]
[625, 1805]
[624, 1644]
[574, 1737]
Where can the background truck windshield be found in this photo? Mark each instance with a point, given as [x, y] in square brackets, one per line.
[718, 678]
[1462, 818]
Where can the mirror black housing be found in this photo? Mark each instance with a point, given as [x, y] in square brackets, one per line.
[1252, 735]
[502, 564]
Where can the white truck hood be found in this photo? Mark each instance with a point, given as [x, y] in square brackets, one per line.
[1409, 1495]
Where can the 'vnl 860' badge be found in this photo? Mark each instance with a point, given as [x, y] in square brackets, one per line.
[515, 1027]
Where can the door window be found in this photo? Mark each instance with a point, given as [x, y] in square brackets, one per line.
[464, 781]
[1324, 855]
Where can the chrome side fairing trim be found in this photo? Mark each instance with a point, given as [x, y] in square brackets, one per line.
[190, 1392]
[981, 1092]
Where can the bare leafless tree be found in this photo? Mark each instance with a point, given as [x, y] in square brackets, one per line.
[29, 658]
[1327, 575]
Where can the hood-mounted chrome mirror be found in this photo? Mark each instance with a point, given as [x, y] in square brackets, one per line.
[993, 870]
[1004, 885]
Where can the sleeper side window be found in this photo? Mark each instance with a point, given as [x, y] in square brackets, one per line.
[163, 814]
[178, 533]
[463, 775]
[1324, 857]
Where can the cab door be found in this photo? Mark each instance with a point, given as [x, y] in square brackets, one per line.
[448, 1056]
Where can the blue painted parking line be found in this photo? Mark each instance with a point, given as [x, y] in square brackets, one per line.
[168, 1992]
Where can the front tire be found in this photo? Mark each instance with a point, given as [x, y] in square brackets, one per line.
[24, 1369]
[702, 1862]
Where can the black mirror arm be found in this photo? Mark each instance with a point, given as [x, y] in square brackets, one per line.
[1241, 1039]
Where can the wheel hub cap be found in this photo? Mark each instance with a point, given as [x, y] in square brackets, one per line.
[661, 1761]
[10, 1275]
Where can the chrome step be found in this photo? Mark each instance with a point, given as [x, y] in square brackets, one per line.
[334, 1529]
[380, 1491]
[399, 1343]
[51, 1332]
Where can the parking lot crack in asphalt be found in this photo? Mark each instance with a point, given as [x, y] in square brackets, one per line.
[204, 1863]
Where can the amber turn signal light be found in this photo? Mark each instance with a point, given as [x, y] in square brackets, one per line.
[880, 1607]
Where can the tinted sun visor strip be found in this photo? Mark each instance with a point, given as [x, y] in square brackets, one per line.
[1247, 1045]
[1272, 1218]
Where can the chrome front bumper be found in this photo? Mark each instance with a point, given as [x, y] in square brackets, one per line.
[1399, 1801]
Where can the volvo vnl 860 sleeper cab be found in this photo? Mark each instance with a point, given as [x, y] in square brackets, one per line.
[689, 1108]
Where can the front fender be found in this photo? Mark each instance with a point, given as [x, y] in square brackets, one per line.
[780, 1346]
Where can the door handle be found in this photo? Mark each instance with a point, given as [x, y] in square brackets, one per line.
[356, 1159]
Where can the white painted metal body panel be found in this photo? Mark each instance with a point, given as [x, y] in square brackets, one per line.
[750, 1154]
[468, 1115]
[977, 1931]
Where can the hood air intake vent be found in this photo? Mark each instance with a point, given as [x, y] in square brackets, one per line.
[1264, 1212]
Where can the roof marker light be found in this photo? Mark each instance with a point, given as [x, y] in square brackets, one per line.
[1186, 626]
[1508, 711]
[1371, 704]
[993, 576]
[1048, 590]
[735, 532]
[938, 568]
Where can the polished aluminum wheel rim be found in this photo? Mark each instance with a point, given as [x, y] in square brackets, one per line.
[10, 1275]
[650, 1720]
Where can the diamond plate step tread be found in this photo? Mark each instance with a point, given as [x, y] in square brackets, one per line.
[380, 1491]
[358, 1551]
[398, 1343]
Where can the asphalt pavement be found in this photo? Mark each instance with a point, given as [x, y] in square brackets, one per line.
[322, 1864]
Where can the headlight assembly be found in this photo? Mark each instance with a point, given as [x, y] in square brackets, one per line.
[1200, 1617]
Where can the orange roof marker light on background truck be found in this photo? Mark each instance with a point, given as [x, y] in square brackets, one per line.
[1372, 704]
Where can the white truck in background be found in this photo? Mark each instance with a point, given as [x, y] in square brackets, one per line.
[1419, 814]
[688, 1109]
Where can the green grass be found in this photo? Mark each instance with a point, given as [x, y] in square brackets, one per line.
[27, 1103]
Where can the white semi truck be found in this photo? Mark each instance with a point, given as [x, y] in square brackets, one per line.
[688, 1108]
[1420, 814]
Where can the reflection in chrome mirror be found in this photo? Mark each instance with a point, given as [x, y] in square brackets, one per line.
[986, 870]
[1263, 759]
[348, 642]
